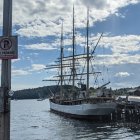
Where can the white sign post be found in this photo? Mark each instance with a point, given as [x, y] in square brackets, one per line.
[8, 47]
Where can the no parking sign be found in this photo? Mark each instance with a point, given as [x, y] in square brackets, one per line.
[8, 47]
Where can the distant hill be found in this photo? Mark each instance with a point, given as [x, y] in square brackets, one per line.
[36, 93]
[47, 91]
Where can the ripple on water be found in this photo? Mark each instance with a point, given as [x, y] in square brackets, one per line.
[32, 120]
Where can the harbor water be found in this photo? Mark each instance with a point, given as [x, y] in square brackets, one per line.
[32, 120]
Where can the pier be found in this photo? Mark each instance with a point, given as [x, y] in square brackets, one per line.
[125, 112]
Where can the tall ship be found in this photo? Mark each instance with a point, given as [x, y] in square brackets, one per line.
[81, 102]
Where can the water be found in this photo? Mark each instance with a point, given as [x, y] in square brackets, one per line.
[32, 120]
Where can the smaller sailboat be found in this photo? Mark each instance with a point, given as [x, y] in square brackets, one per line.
[79, 102]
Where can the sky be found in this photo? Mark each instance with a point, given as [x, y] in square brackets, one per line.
[38, 26]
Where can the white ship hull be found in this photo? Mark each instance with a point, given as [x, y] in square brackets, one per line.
[84, 110]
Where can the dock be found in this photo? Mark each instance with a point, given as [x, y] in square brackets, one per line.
[129, 112]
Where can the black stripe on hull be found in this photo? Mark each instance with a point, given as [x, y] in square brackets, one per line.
[102, 118]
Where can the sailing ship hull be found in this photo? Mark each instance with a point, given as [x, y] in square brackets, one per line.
[84, 111]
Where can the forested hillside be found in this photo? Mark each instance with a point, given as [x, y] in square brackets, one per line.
[35, 93]
[48, 91]
[40, 92]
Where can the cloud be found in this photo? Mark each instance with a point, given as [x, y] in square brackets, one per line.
[122, 49]
[37, 67]
[117, 59]
[43, 18]
[50, 78]
[69, 49]
[95, 3]
[15, 60]
[119, 50]
[122, 74]
[34, 54]
[27, 71]
[19, 72]
[121, 44]
[41, 46]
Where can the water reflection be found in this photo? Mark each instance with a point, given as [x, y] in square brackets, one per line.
[32, 120]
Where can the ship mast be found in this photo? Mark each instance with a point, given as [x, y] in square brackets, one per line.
[61, 62]
[73, 55]
[87, 90]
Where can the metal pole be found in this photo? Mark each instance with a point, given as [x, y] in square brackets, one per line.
[6, 74]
